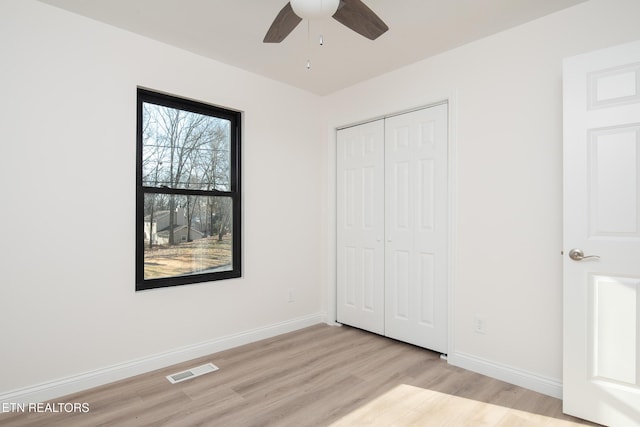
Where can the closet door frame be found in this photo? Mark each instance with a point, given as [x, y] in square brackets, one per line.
[450, 100]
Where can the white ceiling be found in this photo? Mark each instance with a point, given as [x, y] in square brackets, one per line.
[231, 31]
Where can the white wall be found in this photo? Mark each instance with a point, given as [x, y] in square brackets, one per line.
[505, 91]
[67, 150]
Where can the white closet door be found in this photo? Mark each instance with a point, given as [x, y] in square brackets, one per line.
[360, 223]
[416, 227]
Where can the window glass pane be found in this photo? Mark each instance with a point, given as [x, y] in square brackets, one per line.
[186, 235]
[181, 149]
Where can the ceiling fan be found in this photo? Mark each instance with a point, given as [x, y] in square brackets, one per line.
[354, 14]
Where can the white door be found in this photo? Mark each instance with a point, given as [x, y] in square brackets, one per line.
[602, 219]
[360, 226]
[416, 227]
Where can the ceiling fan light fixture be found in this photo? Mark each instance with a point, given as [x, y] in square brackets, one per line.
[314, 9]
[353, 14]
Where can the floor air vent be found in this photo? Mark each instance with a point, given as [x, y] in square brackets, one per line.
[191, 373]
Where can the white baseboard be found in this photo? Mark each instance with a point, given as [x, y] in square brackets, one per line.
[519, 377]
[83, 381]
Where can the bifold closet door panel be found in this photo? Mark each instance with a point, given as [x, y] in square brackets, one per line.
[360, 226]
[416, 227]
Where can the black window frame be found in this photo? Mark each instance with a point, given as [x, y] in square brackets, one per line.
[235, 119]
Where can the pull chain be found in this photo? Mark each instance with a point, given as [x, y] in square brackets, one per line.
[308, 42]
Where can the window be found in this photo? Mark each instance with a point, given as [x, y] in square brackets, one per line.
[188, 192]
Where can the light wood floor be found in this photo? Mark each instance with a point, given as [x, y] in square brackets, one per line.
[318, 376]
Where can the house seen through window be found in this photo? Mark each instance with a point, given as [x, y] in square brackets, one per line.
[188, 192]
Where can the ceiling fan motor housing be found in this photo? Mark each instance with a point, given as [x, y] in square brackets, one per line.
[314, 9]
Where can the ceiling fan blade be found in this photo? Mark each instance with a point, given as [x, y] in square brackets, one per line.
[284, 23]
[358, 17]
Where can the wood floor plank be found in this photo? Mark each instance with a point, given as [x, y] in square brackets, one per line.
[318, 376]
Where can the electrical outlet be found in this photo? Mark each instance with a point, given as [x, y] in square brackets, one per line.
[292, 295]
[479, 325]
